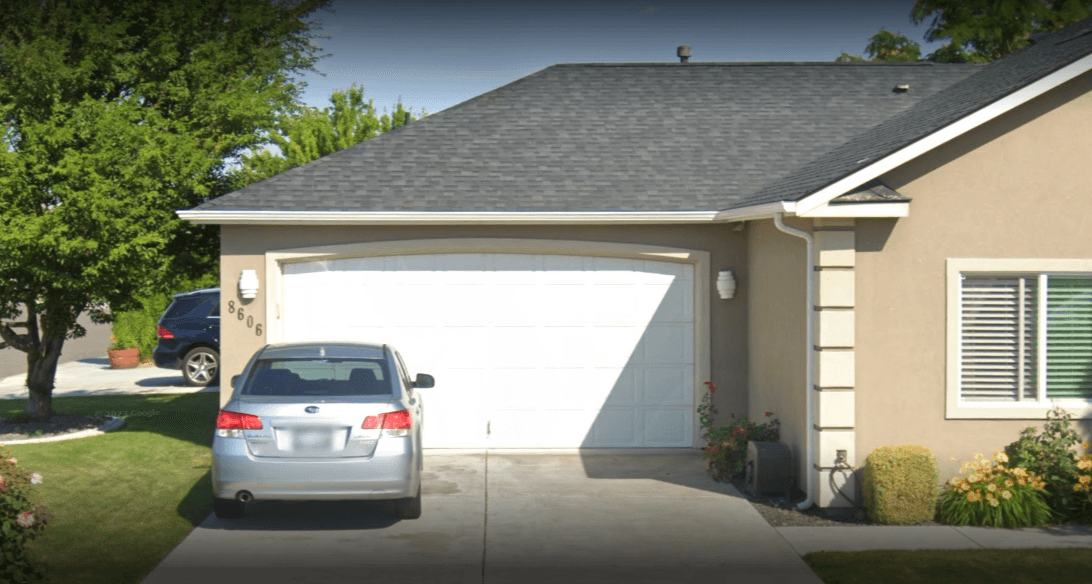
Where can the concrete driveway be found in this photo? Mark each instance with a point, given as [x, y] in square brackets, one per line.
[597, 516]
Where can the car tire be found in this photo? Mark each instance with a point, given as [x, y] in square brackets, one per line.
[201, 367]
[228, 508]
[410, 507]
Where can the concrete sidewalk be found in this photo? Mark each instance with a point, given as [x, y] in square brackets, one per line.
[856, 538]
[93, 376]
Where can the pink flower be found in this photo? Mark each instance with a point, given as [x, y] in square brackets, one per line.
[768, 414]
[13, 460]
[712, 388]
[35, 479]
[738, 431]
[716, 448]
[25, 519]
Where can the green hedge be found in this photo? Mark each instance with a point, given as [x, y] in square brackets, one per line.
[137, 328]
[901, 484]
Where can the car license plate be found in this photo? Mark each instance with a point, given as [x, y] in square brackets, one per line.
[309, 439]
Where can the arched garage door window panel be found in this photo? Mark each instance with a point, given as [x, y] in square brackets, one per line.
[529, 350]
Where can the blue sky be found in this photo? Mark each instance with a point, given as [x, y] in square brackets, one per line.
[434, 55]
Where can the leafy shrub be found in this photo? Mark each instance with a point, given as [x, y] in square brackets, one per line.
[22, 519]
[900, 484]
[137, 328]
[994, 495]
[726, 452]
[1082, 488]
[1050, 455]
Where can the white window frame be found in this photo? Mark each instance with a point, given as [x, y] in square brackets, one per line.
[1025, 409]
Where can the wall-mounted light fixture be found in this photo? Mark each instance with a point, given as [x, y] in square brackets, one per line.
[248, 284]
[726, 284]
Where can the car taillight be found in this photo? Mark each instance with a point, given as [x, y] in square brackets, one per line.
[236, 421]
[399, 420]
[163, 333]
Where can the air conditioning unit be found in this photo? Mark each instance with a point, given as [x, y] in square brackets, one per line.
[769, 468]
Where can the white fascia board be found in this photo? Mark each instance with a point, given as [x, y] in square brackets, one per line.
[765, 211]
[439, 217]
[949, 132]
[889, 209]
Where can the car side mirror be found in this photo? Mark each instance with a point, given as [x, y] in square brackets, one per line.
[234, 378]
[424, 381]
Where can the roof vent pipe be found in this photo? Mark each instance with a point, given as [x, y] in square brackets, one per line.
[683, 53]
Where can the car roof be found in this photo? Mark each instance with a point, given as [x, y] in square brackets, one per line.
[195, 292]
[337, 349]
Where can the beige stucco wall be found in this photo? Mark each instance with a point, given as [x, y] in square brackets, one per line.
[244, 247]
[776, 327]
[1019, 187]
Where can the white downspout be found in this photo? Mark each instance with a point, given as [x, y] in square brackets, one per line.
[809, 467]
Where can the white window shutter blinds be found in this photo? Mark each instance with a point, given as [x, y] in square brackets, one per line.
[998, 331]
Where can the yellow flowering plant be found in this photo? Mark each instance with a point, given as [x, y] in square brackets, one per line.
[989, 493]
[22, 518]
[1082, 488]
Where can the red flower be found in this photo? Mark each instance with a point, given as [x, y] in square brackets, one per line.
[768, 414]
[738, 431]
[712, 388]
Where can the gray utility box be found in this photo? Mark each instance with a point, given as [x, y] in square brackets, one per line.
[769, 466]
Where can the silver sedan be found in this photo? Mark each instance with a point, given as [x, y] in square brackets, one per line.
[320, 421]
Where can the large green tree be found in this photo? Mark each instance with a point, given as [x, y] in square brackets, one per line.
[985, 30]
[309, 133]
[886, 46]
[114, 114]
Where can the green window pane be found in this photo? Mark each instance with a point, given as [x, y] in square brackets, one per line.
[1069, 337]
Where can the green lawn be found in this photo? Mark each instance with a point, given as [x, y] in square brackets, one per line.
[122, 501]
[1030, 566]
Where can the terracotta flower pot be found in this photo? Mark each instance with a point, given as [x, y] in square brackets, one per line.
[124, 358]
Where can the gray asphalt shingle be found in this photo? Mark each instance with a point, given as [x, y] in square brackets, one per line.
[990, 84]
[615, 137]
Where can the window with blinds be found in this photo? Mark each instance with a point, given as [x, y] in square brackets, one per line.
[1025, 338]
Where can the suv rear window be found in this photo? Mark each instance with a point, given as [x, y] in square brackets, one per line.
[319, 377]
[185, 305]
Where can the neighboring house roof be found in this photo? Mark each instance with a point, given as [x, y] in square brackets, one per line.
[1003, 78]
[607, 137]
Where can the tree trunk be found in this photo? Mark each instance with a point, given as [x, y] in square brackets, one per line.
[41, 373]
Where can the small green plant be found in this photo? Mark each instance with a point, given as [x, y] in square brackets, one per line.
[726, 450]
[22, 518]
[1050, 455]
[994, 495]
[1082, 488]
[900, 484]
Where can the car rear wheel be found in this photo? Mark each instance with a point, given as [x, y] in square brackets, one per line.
[228, 508]
[410, 507]
[201, 366]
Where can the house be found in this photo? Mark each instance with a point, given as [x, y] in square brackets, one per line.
[905, 241]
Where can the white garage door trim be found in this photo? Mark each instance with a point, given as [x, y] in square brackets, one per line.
[277, 259]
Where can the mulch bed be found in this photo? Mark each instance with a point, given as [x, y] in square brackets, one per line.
[59, 424]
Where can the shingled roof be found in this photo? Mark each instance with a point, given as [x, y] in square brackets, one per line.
[1003, 77]
[611, 137]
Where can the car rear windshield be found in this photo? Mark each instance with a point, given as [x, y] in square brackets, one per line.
[319, 377]
[185, 305]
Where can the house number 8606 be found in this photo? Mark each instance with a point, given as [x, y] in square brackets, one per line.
[243, 316]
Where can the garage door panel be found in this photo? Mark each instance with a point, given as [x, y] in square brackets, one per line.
[616, 428]
[666, 343]
[527, 350]
[666, 426]
[667, 386]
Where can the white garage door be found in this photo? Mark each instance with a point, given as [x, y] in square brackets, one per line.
[528, 351]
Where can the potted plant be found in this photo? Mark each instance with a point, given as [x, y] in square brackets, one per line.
[121, 356]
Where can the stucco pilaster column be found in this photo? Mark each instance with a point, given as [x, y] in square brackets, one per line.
[835, 367]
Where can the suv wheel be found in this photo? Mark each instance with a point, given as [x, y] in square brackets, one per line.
[201, 366]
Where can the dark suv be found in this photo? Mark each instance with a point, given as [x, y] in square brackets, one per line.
[189, 336]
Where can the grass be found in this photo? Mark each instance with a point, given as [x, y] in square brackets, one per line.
[122, 501]
[1031, 566]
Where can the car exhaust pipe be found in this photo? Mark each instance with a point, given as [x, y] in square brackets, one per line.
[244, 496]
